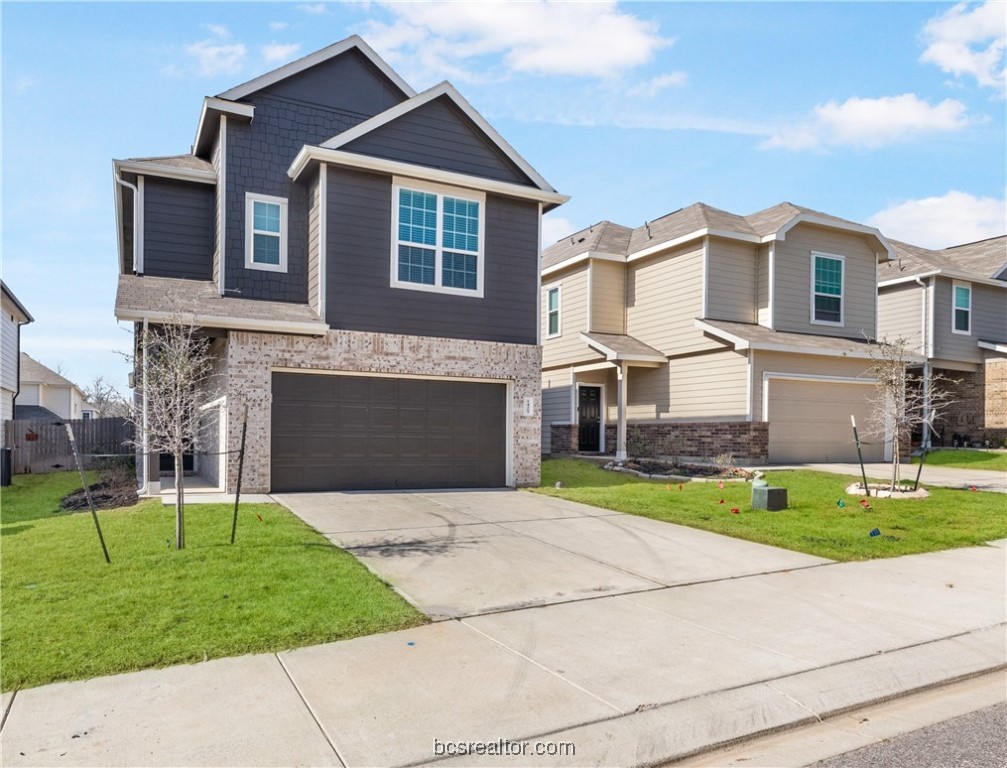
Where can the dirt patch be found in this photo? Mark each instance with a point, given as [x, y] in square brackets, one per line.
[113, 490]
[883, 491]
[687, 470]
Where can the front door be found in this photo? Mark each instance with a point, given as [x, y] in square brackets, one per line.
[589, 419]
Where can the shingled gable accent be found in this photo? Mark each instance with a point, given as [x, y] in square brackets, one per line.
[447, 91]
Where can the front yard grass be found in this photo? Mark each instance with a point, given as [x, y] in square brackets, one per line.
[813, 523]
[68, 615]
[966, 458]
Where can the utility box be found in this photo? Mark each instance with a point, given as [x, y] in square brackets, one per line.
[769, 498]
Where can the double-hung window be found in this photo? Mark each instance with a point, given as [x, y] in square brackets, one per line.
[552, 312]
[827, 289]
[437, 239]
[961, 320]
[265, 232]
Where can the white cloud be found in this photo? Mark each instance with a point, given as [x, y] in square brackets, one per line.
[940, 222]
[654, 86]
[278, 52]
[219, 30]
[871, 123]
[215, 59]
[971, 42]
[313, 9]
[278, 26]
[441, 39]
[555, 228]
[26, 83]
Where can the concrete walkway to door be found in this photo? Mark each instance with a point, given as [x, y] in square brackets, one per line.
[645, 642]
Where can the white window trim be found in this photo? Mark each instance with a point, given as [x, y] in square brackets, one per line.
[842, 290]
[960, 284]
[439, 190]
[250, 199]
[558, 287]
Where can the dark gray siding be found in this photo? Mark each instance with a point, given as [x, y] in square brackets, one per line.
[178, 224]
[439, 135]
[358, 294]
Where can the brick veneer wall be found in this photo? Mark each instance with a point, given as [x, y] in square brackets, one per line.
[979, 407]
[746, 440]
[252, 357]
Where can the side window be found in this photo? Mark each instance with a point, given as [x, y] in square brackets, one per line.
[437, 239]
[552, 312]
[265, 232]
[961, 321]
[827, 289]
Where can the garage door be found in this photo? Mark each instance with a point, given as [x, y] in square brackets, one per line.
[371, 433]
[810, 421]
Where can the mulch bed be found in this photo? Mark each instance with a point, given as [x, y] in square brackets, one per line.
[108, 494]
[686, 470]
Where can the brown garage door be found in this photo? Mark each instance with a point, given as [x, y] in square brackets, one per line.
[370, 433]
[810, 421]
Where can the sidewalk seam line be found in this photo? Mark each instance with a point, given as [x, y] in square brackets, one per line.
[311, 711]
[543, 667]
[787, 696]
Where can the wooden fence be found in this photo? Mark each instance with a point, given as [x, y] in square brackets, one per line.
[43, 446]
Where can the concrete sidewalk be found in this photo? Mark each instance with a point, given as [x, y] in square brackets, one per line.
[946, 477]
[627, 679]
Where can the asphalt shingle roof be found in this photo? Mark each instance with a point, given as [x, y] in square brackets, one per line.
[188, 162]
[33, 372]
[985, 259]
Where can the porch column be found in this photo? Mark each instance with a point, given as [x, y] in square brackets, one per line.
[622, 372]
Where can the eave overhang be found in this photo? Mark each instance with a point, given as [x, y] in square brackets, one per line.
[228, 323]
[213, 108]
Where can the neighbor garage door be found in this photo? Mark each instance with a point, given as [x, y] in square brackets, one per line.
[810, 421]
[358, 432]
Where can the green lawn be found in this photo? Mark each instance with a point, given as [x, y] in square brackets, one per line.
[814, 523]
[68, 615]
[966, 458]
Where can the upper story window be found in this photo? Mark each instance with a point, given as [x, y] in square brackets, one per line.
[437, 239]
[961, 321]
[827, 289]
[265, 232]
[552, 311]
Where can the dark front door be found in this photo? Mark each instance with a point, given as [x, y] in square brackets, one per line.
[366, 433]
[589, 419]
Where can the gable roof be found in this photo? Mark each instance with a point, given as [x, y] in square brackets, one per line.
[985, 260]
[313, 59]
[14, 300]
[33, 372]
[603, 237]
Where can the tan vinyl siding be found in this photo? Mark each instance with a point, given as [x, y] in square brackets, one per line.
[608, 297]
[664, 296]
[732, 281]
[9, 360]
[6, 406]
[314, 250]
[762, 287]
[695, 388]
[792, 281]
[989, 321]
[566, 348]
[901, 314]
[811, 365]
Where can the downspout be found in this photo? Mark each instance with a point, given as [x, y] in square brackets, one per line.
[136, 206]
[925, 438]
[146, 442]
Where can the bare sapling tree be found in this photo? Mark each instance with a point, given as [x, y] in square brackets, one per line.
[906, 396]
[109, 402]
[174, 371]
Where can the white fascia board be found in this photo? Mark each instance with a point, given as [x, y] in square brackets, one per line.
[612, 354]
[229, 323]
[822, 221]
[1002, 274]
[443, 89]
[165, 171]
[740, 344]
[994, 346]
[214, 106]
[395, 168]
[306, 62]
[908, 279]
[696, 235]
[968, 277]
[582, 257]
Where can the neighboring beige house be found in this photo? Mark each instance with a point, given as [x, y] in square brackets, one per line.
[951, 305]
[14, 316]
[42, 389]
[709, 332]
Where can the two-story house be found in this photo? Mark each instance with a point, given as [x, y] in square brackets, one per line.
[365, 259]
[14, 316]
[708, 333]
[951, 306]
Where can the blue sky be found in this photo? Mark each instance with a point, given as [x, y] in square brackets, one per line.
[891, 114]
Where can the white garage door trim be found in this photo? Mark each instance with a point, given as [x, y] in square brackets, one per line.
[768, 375]
[509, 383]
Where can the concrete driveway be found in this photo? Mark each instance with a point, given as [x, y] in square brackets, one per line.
[464, 553]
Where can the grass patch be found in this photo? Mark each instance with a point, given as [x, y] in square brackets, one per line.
[68, 615]
[813, 523]
[966, 458]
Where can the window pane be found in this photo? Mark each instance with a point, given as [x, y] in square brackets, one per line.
[266, 249]
[267, 217]
[416, 265]
[553, 299]
[962, 320]
[461, 224]
[962, 297]
[459, 271]
[828, 276]
[827, 309]
[553, 323]
[417, 217]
